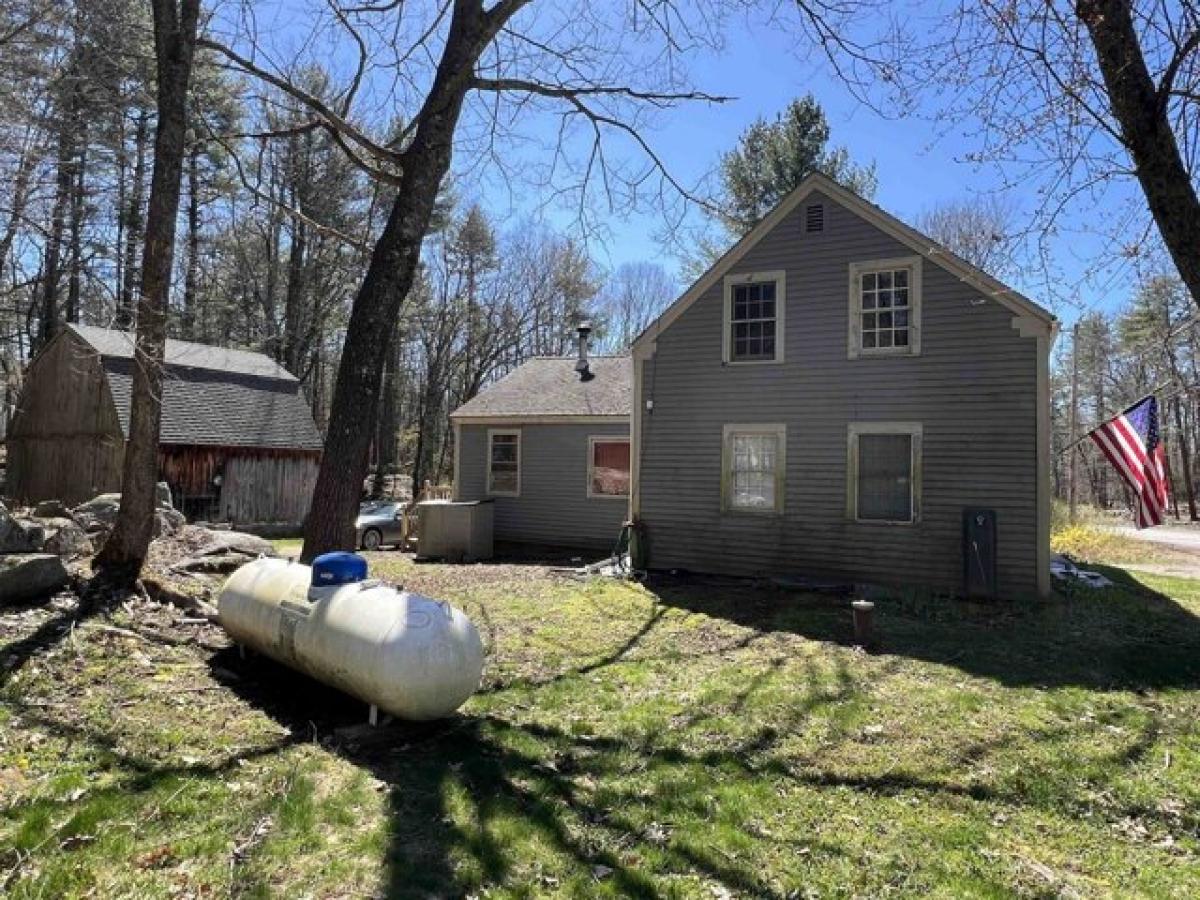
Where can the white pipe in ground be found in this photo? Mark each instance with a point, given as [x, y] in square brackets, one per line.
[414, 657]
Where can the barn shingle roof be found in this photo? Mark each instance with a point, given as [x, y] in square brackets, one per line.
[550, 386]
[212, 396]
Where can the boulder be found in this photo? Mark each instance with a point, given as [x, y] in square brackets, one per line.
[51, 509]
[66, 538]
[168, 521]
[19, 535]
[99, 513]
[30, 576]
[236, 542]
[215, 564]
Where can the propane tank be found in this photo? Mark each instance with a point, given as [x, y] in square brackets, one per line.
[412, 656]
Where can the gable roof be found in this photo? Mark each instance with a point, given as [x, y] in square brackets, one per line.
[211, 396]
[920, 243]
[549, 387]
[119, 345]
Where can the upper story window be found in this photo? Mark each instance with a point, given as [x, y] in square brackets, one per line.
[504, 463]
[885, 307]
[754, 318]
[608, 467]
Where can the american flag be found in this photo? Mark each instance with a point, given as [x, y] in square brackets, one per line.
[1132, 444]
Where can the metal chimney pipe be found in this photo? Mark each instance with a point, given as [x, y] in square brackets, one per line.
[581, 365]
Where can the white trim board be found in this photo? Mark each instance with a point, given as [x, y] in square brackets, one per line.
[925, 246]
[622, 419]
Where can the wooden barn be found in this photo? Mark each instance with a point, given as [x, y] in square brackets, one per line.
[238, 440]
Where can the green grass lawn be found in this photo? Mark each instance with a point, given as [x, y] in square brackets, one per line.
[692, 739]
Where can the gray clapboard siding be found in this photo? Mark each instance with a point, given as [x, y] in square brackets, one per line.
[553, 508]
[973, 388]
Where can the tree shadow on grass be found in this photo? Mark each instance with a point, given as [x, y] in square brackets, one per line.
[1125, 637]
[464, 792]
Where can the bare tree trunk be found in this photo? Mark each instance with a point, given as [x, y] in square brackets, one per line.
[389, 278]
[20, 195]
[175, 25]
[64, 182]
[133, 225]
[191, 276]
[1185, 460]
[75, 273]
[1142, 111]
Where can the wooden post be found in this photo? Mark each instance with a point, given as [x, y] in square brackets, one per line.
[1074, 420]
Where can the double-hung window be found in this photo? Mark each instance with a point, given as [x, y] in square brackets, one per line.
[608, 467]
[754, 317]
[754, 459]
[884, 472]
[504, 462]
[885, 307]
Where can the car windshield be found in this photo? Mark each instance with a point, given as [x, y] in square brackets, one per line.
[377, 509]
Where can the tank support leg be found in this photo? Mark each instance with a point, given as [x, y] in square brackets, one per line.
[373, 715]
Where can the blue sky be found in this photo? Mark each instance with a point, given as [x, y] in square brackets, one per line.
[917, 168]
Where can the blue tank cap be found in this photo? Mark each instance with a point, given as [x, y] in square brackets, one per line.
[341, 567]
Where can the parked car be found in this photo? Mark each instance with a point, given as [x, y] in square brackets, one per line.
[379, 523]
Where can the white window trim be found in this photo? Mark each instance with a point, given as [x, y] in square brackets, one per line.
[727, 433]
[913, 430]
[779, 277]
[857, 270]
[503, 432]
[591, 462]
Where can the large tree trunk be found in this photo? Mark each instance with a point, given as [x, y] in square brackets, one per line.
[174, 47]
[1143, 115]
[389, 278]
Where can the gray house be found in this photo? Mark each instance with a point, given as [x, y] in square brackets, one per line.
[549, 444]
[832, 397]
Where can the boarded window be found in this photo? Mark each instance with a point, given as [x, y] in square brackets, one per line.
[753, 321]
[504, 462]
[754, 465]
[885, 477]
[608, 468]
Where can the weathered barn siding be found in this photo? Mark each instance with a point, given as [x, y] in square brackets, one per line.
[255, 485]
[973, 388]
[65, 440]
[262, 486]
[554, 507]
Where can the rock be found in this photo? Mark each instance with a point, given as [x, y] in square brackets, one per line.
[237, 542]
[162, 495]
[30, 576]
[99, 513]
[19, 535]
[67, 538]
[215, 564]
[168, 521]
[51, 509]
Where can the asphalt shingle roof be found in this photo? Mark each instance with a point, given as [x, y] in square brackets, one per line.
[550, 386]
[119, 345]
[253, 402]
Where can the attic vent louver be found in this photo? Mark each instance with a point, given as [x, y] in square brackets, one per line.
[814, 218]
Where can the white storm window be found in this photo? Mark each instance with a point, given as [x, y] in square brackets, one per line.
[753, 465]
[884, 483]
[754, 318]
[608, 467]
[885, 307]
[504, 463]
